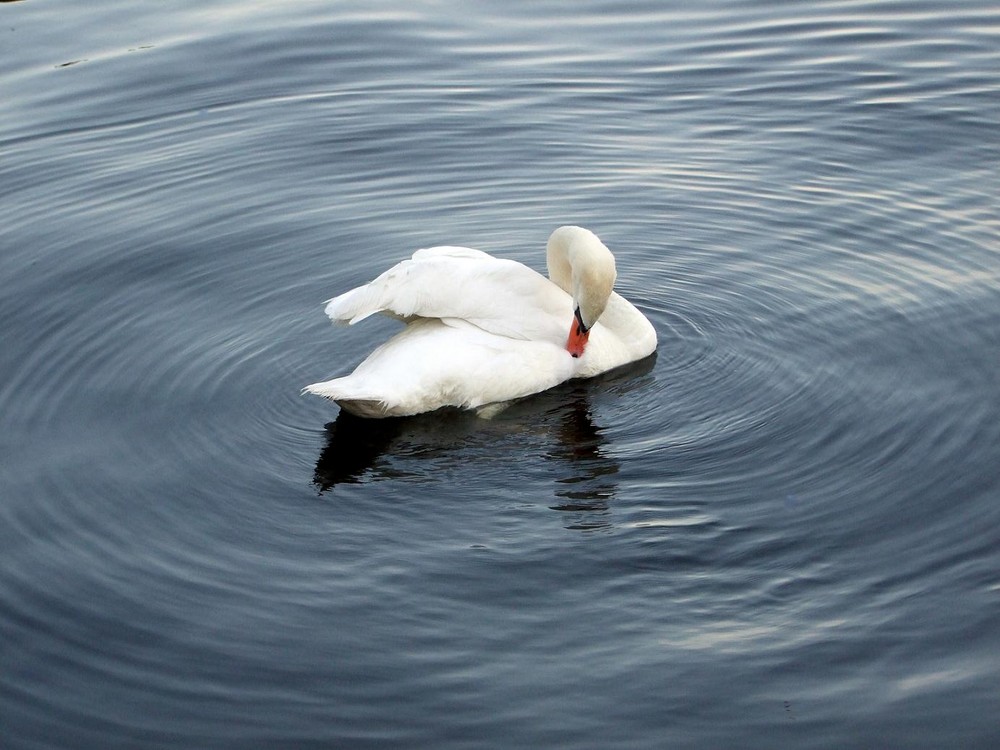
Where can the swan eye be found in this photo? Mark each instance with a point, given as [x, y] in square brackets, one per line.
[581, 327]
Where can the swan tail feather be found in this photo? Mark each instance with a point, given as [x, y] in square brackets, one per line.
[350, 397]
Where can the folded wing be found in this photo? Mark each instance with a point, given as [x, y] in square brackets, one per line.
[500, 296]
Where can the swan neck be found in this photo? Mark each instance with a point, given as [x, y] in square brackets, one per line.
[580, 264]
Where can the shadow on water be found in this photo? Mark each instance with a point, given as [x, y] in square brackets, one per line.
[553, 432]
[589, 485]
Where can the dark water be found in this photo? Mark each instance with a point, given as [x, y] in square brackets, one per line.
[781, 531]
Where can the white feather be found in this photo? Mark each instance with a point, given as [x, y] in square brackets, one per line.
[480, 330]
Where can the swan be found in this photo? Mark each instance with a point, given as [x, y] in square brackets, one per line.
[482, 331]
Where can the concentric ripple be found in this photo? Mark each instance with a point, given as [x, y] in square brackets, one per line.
[785, 513]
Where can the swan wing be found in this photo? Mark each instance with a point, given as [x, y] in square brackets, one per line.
[453, 284]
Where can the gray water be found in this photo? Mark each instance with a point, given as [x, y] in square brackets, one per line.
[783, 530]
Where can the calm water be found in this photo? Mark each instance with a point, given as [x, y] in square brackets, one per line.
[781, 531]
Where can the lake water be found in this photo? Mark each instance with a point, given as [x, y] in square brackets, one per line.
[783, 530]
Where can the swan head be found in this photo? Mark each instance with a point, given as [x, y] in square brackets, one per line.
[581, 265]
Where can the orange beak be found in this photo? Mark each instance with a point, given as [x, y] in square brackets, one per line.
[578, 335]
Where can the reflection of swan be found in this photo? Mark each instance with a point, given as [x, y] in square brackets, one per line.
[590, 486]
[482, 330]
[353, 446]
[556, 428]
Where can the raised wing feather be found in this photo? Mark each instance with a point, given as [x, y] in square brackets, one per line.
[460, 284]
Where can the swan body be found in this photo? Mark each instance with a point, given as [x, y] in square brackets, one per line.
[482, 330]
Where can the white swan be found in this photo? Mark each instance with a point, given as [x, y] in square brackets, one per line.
[482, 330]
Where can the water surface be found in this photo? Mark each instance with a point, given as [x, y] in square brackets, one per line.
[781, 530]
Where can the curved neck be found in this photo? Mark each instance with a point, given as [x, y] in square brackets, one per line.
[557, 259]
[580, 264]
